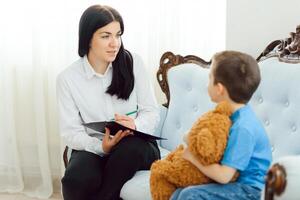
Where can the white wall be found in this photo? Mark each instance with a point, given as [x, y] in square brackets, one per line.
[253, 24]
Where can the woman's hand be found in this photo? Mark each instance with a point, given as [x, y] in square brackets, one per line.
[108, 142]
[125, 121]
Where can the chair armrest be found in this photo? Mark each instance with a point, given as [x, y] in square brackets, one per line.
[283, 179]
[275, 181]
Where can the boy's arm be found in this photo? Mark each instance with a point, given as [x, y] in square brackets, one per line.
[219, 173]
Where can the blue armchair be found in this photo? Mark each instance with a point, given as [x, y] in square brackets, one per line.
[276, 102]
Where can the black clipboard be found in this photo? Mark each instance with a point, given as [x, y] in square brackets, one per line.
[114, 127]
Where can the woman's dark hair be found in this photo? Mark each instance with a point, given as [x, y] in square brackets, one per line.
[92, 19]
[238, 72]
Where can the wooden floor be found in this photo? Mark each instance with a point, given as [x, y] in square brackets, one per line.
[4, 196]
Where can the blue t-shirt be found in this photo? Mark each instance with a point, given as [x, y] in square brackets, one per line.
[248, 149]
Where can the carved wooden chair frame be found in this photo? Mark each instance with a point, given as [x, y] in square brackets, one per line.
[168, 61]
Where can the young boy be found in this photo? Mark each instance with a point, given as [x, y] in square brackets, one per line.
[234, 77]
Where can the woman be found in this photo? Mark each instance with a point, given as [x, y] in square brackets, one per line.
[105, 83]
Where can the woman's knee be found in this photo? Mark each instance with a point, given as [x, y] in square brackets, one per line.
[73, 180]
[131, 146]
[82, 172]
[78, 186]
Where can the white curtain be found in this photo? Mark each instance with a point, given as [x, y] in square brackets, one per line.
[38, 39]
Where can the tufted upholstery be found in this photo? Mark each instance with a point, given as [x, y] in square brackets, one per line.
[276, 102]
[189, 99]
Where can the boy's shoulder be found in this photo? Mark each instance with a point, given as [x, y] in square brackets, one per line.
[246, 120]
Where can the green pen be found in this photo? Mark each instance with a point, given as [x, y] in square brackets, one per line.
[130, 113]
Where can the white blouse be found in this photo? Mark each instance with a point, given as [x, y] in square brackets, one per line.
[81, 90]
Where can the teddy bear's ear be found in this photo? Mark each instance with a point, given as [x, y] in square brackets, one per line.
[223, 108]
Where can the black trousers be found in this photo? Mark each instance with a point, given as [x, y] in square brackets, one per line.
[92, 177]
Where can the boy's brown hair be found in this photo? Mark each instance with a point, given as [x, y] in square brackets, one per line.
[238, 72]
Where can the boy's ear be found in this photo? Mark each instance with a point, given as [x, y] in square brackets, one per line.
[221, 89]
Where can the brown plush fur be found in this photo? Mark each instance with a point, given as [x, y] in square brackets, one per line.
[207, 140]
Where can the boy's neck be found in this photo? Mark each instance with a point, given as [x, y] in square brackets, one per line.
[236, 106]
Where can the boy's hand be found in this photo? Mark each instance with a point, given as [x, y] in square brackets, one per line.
[185, 138]
[217, 172]
[108, 142]
[125, 121]
[187, 155]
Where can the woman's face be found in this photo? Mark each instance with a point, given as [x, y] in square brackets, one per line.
[106, 42]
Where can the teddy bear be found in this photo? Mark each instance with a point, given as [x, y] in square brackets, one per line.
[206, 140]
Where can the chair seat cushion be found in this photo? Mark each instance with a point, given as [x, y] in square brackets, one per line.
[138, 187]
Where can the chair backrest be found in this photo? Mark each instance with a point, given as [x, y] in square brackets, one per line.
[283, 111]
[183, 79]
[276, 101]
[277, 104]
[189, 99]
